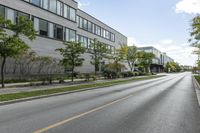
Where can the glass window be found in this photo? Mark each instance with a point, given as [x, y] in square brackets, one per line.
[59, 8]
[43, 27]
[72, 15]
[66, 34]
[98, 30]
[107, 35]
[66, 11]
[89, 26]
[72, 35]
[58, 32]
[20, 14]
[112, 37]
[2, 11]
[93, 28]
[45, 4]
[85, 24]
[52, 5]
[81, 22]
[36, 2]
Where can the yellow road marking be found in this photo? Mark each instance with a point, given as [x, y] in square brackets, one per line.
[80, 115]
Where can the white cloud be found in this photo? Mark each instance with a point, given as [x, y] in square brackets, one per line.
[188, 6]
[83, 4]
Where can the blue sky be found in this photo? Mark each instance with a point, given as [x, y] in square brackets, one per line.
[164, 24]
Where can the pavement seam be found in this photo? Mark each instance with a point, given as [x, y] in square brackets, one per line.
[197, 89]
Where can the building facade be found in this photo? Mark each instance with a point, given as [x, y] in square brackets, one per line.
[160, 60]
[61, 20]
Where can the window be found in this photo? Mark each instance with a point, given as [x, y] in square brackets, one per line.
[43, 27]
[52, 5]
[72, 15]
[66, 11]
[85, 24]
[36, 2]
[84, 41]
[2, 11]
[45, 4]
[72, 35]
[20, 14]
[107, 35]
[59, 8]
[93, 28]
[81, 22]
[58, 32]
[112, 37]
[103, 33]
[98, 30]
[89, 26]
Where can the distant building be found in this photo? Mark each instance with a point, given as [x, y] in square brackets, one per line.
[160, 60]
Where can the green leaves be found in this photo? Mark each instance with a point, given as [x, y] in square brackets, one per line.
[72, 54]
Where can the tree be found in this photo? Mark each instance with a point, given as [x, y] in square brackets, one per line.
[195, 35]
[98, 52]
[172, 67]
[12, 45]
[72, 56]
[145, 60]
[129, 53]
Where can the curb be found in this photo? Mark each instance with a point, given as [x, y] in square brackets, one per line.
[197, 89]
[46, 96]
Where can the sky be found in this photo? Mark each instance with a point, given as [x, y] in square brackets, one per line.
[164, 24]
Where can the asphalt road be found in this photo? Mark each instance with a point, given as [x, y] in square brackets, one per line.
[164, 105]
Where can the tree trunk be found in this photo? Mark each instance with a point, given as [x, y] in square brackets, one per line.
[2, 72]
[72, 74]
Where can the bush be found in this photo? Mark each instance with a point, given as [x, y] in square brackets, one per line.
[110, 74]
[127, 74]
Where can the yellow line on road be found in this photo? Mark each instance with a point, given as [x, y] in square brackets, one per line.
[80, 115]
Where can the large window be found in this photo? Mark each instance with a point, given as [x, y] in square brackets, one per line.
[2, 11]
[52, 5]
[89, 26]
[36, 2]
[59, 8]
[66, 11]
[20, 14]
[58, 32]
[72, 35]
[72, 15]
[85, 24]
[45, 4]
[43, 27]
[98, 30]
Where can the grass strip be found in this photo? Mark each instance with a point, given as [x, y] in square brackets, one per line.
[21, 95]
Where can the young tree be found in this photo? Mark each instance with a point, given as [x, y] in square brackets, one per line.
[195, 35]
[12, 45]
[145, 60]
[129, 53]
[72, 56]
[98, 52]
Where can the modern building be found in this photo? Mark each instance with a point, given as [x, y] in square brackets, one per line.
[61, 20]
[160, 60]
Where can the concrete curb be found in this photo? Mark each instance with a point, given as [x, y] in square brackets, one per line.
[46, 96]
[197, 88]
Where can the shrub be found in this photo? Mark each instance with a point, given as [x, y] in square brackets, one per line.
[110, 74]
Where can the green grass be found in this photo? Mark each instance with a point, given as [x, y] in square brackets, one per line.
[197, 77]
[14, 96]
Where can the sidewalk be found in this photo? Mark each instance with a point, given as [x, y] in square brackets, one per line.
[25, 87]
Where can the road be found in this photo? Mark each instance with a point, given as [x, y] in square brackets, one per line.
[164, 105]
